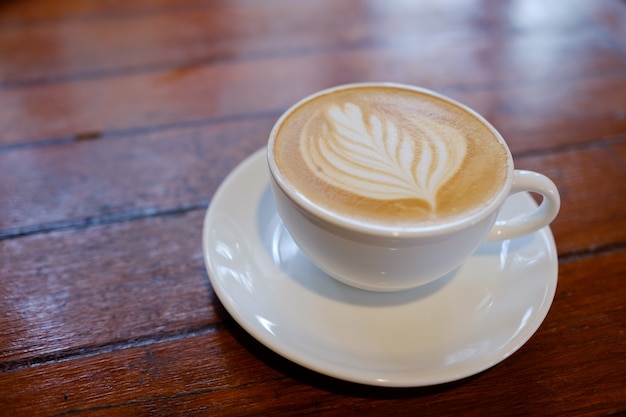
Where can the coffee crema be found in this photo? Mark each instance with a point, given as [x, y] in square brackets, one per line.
[390, 156]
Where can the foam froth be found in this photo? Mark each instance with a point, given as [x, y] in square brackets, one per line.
[390, 156]
[380, 159]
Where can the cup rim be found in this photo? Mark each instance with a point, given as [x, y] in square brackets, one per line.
[350, 226]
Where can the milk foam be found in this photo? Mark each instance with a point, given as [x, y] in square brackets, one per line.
[381, 159]
[390, 156]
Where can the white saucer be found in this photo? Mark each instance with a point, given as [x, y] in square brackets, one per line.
[455, 327]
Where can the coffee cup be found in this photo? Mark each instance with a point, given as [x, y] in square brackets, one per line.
[386, 187]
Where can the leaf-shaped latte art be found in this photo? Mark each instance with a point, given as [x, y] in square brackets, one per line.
[378, 159]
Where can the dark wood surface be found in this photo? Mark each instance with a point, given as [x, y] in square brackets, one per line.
[118, 121]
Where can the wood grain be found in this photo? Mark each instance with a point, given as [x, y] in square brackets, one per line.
[183, 92]
[119, 120]
[68, 290]
[112, 177]
[41, 180]
[592, 212]
[211, 34]
[227, 372]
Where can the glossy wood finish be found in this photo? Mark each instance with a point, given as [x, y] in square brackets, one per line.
[118, 120]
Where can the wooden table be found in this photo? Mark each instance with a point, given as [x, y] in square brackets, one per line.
[119, 120]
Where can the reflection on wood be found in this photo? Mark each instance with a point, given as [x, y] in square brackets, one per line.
[119, 120]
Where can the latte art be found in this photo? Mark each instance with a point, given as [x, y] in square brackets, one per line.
[389, 157]
[381, 159]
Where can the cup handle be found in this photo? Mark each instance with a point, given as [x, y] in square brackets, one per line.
[540, 217]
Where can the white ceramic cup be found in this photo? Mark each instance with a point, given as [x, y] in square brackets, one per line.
[391, 260]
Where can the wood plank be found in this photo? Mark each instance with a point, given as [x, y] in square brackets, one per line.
[33, 12]
[611, 17]
[74, 290]
[107, 177]
[550, 62]
[229, 373]
[542, 118]
[530, 15]
[88, 284]
[171, 39]
[619, 149]
[185, 166]
[592, 189]
[112, 146]
[573, 110]
[201, 36]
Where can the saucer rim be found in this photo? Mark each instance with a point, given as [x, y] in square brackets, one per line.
[325, 367]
